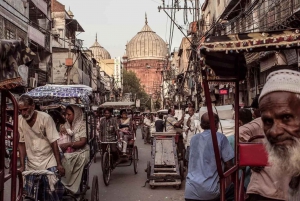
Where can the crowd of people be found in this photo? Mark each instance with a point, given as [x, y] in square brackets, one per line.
[63, 148]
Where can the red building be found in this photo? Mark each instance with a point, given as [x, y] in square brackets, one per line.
[145, 55]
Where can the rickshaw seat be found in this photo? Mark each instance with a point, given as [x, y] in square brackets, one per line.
[253, 154]
[131, 142]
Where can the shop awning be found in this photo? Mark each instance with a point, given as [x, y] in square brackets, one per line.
[224, 53]
[13, 53]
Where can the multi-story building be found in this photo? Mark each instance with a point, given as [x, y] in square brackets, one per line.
[237, 17]
[29, 21]
[71, 63]
[39, 31]
[14, 20]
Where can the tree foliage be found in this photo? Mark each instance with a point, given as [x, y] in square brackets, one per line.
[132, 84]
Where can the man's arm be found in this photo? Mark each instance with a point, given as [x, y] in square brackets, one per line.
[178, 123]
[55, 149]
[228, 165]
[22, 151]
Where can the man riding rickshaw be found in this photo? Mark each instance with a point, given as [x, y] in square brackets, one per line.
[57, 163]
[117, 137]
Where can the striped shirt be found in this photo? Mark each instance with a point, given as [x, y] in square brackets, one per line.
[108, 129]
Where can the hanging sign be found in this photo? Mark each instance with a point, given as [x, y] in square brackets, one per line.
[223, 91]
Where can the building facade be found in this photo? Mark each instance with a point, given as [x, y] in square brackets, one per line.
[233, 16]
[72, 64]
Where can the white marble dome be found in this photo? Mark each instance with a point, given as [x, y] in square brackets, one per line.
[99, 52]
[146, 45]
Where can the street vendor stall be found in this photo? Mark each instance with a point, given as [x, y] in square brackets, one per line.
[14, 60]
[222, 59]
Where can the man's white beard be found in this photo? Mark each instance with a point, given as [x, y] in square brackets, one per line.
[30, 115]
[285, 159]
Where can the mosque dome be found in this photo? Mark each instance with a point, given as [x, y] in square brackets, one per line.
[99, 52]
[146, 45]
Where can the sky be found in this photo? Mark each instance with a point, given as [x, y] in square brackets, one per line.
[117, 21]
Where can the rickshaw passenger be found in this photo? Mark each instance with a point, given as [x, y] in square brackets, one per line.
[202, 181]
[79, 151]
[108, 131]
[38, 141]
[125, 131]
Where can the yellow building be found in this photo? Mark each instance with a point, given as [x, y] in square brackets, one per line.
[103, 57]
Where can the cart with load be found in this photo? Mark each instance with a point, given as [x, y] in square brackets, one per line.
[164, 169]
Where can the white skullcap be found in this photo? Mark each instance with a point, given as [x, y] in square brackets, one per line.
[282, 80]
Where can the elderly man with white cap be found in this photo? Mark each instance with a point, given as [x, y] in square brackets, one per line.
[279, 104]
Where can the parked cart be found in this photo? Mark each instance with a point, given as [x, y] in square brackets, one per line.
[164, 169]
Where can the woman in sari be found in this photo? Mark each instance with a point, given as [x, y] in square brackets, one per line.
[125, 125]
[78, 149]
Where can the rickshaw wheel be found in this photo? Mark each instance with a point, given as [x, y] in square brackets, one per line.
[181, 170]
[135, 158]
[95, 189]
[95, 158]
[106, 168]
[148, 170]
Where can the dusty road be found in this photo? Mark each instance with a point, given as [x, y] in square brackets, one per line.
[125, 185]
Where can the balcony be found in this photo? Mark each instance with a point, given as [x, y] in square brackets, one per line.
[229, 5]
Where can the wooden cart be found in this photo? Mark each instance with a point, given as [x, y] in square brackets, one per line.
[164, 169]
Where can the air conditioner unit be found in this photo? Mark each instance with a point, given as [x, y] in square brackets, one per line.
[55, 33]
[32, 83]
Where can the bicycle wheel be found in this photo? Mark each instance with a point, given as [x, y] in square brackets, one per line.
[95, 189]
[135, 158]
[106, 169]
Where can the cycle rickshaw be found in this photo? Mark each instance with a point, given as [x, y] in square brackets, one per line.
[222, 59]
[131, 157]
[76, 95]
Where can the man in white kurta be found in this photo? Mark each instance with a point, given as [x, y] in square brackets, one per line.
[190, 130]
[38, 141]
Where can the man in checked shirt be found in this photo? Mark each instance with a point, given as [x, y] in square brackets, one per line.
[108, 130]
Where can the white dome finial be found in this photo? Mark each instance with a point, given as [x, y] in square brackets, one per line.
[146, 19]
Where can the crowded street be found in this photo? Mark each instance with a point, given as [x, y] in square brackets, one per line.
[125, 185]
[137, 100]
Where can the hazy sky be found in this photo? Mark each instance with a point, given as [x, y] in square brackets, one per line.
[117, 21]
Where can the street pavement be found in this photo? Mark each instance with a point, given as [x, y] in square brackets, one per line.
[124, 184]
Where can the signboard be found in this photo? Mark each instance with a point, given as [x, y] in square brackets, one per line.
[223, 91]
[138, 103]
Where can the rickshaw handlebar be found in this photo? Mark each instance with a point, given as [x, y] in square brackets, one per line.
[108, 142]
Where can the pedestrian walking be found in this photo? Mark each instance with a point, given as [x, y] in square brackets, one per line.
[159, 123]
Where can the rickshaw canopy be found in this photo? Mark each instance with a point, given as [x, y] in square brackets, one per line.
[57, 92]
[226, 55]
[117, 105]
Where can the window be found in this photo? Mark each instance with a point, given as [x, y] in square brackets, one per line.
[10, 30]
[9, 34]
